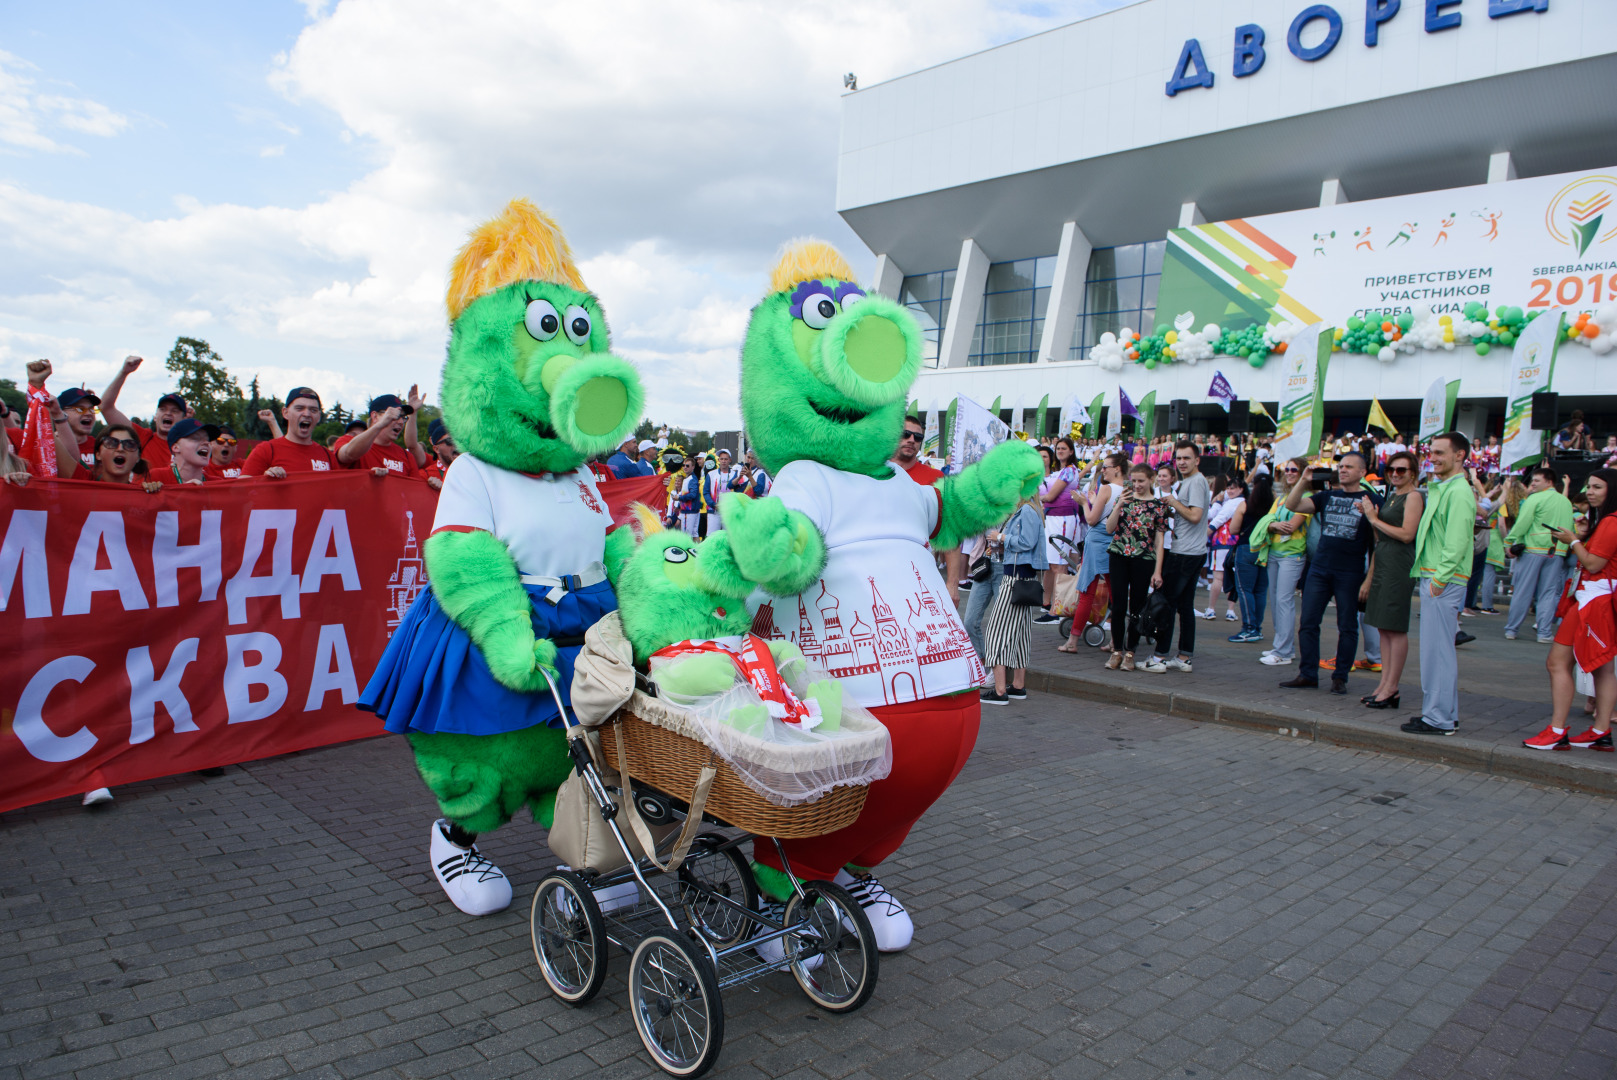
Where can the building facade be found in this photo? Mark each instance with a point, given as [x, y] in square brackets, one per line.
[1247, 162]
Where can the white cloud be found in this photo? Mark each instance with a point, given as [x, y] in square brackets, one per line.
[273, 151]
[678, 145]
[24, 115]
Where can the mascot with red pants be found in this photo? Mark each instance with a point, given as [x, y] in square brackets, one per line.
[839, 551]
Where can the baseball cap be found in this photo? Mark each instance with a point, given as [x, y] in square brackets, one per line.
[353, 426]
[73, 395]
[169, 399]
[302, 391]
[390, 401]
[645, 444]
[437, 432]
[190, 426]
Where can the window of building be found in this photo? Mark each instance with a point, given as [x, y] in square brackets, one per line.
[927, 297]
[1015, 296]
[1120, 290]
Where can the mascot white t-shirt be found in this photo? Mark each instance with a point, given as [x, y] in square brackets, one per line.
[553, 524]
[879, 618]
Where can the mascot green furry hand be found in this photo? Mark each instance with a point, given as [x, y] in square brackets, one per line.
[516, 555]
[665, 600]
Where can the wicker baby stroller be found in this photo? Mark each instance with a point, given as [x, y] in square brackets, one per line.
[678, 814]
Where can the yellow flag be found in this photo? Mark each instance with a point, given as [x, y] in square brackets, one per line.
[1257, 407]
[1378, 418]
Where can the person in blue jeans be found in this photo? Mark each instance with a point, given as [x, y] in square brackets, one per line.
[1336, 571]
[1251, 580]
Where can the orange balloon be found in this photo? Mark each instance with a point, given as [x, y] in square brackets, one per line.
[1386, 327]
[1280, 347]
[1591, 330]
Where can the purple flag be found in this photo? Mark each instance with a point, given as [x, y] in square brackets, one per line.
[1220, 391]
[1125, 407]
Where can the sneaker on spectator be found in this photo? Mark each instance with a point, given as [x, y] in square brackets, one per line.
[1178, 663]
[1274, 659]
[1549, 739]
[99, 797]
[1016, 693]
[1230, 616]
[1246, 637]
[472, 882]
[989, 697]
[1510, 635]
[1546, 640]
[1208, 614]
[1155, 666]
[1417, 725]
[1045, 618]
[1364, 665]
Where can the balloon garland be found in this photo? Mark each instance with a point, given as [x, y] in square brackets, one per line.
[1380, 334]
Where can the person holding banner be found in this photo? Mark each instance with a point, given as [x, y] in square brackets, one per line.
[296, 451]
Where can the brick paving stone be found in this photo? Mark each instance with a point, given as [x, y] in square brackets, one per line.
[1104, 892]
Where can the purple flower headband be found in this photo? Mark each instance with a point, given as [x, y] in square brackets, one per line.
[814, 287]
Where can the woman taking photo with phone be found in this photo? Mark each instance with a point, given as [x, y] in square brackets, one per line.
[1387, 588]
[1137, 524]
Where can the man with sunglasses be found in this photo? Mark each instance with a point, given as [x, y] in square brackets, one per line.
[908, 455]
[1337, 569]
[224, 465]
[80, 405]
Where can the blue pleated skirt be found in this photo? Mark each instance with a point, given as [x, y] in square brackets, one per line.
[432, 678]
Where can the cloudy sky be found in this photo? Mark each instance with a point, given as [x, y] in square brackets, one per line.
[290, 180]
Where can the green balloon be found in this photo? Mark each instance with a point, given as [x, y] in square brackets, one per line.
[1257, 361]
[1507, 338]
[1150, 365]
[1482, 348]
[1355, 324]
[1405, 321]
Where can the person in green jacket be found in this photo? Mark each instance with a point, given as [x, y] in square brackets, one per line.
[1540, 569]
[1443, 545]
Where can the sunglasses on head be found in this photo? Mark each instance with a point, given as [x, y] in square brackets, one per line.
[121, 444]
[916, 435]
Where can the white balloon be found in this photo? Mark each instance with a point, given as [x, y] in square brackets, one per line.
[1601, 345]
[1387, 354]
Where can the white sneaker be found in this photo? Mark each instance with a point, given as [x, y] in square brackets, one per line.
[1154, 665]
[774, 950]
[1273, 660]
[1208, 614]
[472, 883]
[1230, 616]
[97, 797]
[1178, 663]
[892, 924]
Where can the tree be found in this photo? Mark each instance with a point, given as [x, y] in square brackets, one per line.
[210, 390]
[12, 396]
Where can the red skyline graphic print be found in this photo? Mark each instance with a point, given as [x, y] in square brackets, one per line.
[878, 641]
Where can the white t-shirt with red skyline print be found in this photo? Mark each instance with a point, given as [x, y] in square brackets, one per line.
[879, 618]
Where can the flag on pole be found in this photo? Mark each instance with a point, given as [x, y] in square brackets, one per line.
[1092, 424]
[1125, 407]
[1221, 391]
[1257, 406]
[1072, 412]
[1148, 416]
[1378, 418]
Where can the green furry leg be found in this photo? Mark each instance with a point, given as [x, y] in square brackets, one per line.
[773, 883]
[480, 781]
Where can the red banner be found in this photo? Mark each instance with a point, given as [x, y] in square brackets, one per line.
[147, 635]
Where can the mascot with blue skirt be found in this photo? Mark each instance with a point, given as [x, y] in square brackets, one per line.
[515, 558]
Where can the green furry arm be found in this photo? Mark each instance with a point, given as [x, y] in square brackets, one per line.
[984, 494]
[477, 585]
[763, 543]
[692, 677]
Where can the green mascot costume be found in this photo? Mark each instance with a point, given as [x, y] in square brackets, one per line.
[516, 556]
[840, 550]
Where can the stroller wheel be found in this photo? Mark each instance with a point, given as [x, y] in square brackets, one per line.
[1094, 635]
[1065, 627]
[569, 938]
[707, 873]
[674, 998]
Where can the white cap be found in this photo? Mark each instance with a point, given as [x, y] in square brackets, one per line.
[645, 444]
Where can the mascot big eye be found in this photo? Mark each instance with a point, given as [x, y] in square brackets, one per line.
[516, 554]
[840, 550]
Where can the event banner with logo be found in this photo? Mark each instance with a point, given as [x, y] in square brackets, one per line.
[1548, 240]
[149, 635]
[1302, 414]
[975, 431]
[1532, 366]
[1437, 408]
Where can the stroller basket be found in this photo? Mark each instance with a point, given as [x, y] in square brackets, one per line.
[671, 762]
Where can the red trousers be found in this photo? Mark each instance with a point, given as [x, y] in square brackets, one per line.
[1087, 600]
[931, 741]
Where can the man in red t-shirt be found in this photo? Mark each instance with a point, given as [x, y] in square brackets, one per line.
[377, 447]
[908, 455]
[80, 405]
[296, 451]
[444, 451]
[224, 465]
[171, 408]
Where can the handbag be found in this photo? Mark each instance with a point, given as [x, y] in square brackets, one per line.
[981, 568]
[1027, 592]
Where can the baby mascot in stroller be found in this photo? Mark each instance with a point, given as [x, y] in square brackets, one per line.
[516, 555]
[840, 551]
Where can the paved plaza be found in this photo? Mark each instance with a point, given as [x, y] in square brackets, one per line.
[1105, 892]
